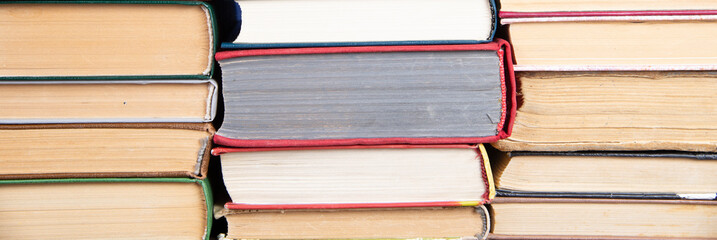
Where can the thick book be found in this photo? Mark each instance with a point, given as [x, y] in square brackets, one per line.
[105, 208]
[356, 176]
[579, 218]
[643, 175]
[430, 94]
[439, 223]
[289, 23]
[614, 40]
[105, 150]
[105, 101]
[509, 8]
[107, 39]
[636, 111]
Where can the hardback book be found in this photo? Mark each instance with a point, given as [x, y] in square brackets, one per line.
[455, 223]
[356, 176]
[656, 175]
[580, 218]
[105, 208]
[288, 23]
[572, 111]
[96, 101]
[509, 7]
[108, 39]
[614, 41]
[105, 150]
[430, 94]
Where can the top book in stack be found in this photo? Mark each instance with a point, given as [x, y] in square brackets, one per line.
[108, 39]
[288, 23]
[106, 62]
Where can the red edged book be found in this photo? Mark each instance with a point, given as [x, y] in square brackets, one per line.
[333, 96]
[333, 188]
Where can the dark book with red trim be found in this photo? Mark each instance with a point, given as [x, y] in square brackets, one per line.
[333, 96]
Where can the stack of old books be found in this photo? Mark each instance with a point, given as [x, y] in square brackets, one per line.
[104, 111]
[362, 120]
[616, 133]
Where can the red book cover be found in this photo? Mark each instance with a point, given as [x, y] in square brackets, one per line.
[503, 122]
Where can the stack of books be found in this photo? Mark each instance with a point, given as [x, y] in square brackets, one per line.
[104, 119]
[616, 133]
[362, 120]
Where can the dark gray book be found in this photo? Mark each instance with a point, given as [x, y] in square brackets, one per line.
[433, 94]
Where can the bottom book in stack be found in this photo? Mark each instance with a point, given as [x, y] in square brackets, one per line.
[105, 181]
[357, 192]
[105, 208]
[605, 195]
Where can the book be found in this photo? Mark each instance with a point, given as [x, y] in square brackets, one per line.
[509, 7]
[106, 39]
[576, 111]
[105, 150]
[98, 101]
[575, 218]
[356, 176]
[359, 223]
[107, 208]
[312, 23]
[613, 41]
[431, 94]
[642, 175]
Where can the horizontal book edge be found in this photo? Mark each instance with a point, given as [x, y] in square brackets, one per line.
[241, 206]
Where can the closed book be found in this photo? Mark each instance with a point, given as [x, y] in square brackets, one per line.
[587, 7]
[106, 39]
[431, 94]
[356, 176]
[429, 223]
[613, 40]
[106, 101]
[313, 23]
[641, 175]
[105, 208]
[622, 111]
[580, 218]
[357, 192]
[105, 150]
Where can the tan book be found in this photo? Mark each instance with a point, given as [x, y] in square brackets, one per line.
[103, 39]
[97, 101]
[662, 174]
[367, 223]
[574, 218]
[570, 111]
[105, 150]
[105, 208]
[613, 41]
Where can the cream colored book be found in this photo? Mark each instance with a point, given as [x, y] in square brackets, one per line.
[290, 23]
